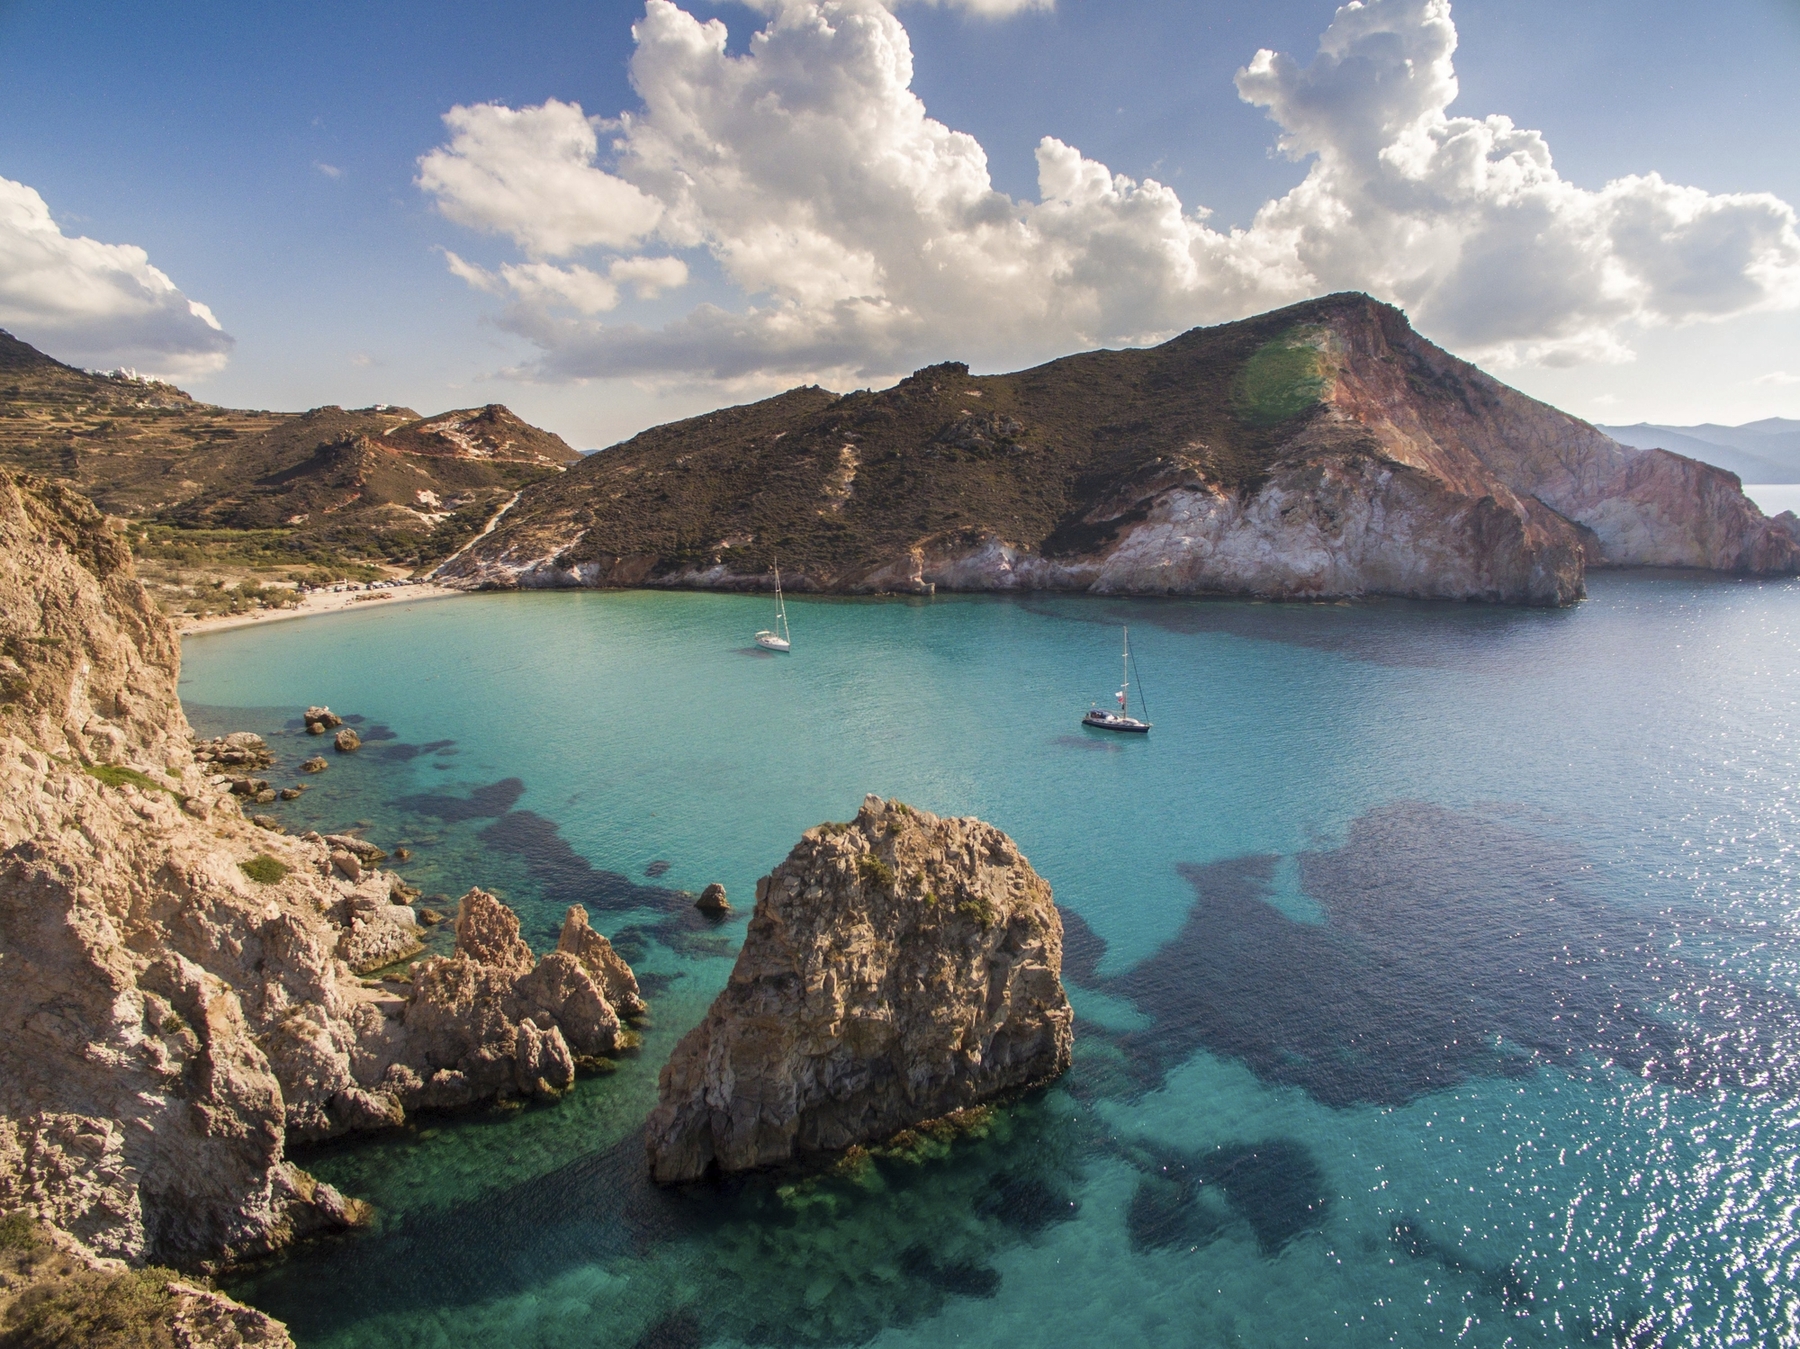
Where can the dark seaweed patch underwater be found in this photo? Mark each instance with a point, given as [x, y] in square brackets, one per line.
[1457, 944]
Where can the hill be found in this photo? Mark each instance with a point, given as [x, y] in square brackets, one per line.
[1320, 450]
[1766, 451]
[219, 497]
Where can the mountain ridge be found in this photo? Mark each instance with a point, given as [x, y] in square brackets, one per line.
[1765, 451]
[1318, 451]
[214, 495]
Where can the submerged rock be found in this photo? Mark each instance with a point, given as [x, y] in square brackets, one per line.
[896, 969]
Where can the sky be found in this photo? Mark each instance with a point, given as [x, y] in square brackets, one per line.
[607, 215]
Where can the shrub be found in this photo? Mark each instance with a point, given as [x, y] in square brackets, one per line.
[264, 870]
[95, 1311]
[17, 1232]
[114, 775]
[875, 871]
[977, 907]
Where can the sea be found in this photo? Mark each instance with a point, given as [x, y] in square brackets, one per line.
[1435, 965]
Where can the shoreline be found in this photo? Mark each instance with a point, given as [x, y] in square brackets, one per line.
[312, 606]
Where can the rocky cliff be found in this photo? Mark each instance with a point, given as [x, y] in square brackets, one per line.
[177, 998]
[1318, 451]
[896, 969]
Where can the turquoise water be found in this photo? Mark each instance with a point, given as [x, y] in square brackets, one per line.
[1435, 964]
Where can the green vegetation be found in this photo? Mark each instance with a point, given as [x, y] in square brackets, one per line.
[116, 775]
[264, 870]
[1283, 378]
[977, 908]
[92, 1310]
[17, 1232]
[875, 871]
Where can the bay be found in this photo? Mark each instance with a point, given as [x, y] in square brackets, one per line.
[1435, 964]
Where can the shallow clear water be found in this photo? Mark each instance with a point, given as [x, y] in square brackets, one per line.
[1435, 964]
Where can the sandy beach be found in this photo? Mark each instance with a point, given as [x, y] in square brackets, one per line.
[319, 602]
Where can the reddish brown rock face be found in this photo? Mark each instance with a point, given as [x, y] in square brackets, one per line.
[896, 969]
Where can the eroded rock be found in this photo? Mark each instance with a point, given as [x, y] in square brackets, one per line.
[896, 969]
[712, 900]
[177, 984]
[347, 741]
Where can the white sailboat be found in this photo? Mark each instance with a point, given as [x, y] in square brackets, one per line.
[1103, 720]
[777, 638]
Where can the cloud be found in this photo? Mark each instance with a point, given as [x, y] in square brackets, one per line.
[543, 286]
[1777, 377]
[529, 173]
[329, 170]
[95, 304]
[863, 236]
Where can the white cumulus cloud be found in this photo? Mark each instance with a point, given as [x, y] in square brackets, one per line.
[530, 173]
[95, 304]
[864, 236]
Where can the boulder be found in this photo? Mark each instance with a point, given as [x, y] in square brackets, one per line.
[290, 793]
[896, 969]
[347, 741]
[320, 720]
[350, 843]
[316, 764]
[606, 965]
[712, 900]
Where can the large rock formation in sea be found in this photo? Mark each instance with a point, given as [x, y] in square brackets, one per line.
[1322, 450]
[897, 968]
[177, 997]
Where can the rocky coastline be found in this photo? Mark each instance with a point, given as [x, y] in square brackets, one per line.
[179, 988]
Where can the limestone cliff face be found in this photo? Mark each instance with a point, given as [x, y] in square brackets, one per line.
[1320, 451]
[169, 1019]
[896, 968]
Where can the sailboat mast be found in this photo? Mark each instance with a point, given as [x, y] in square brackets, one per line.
[1125, 676]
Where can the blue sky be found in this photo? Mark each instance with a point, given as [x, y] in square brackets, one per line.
[266, 162]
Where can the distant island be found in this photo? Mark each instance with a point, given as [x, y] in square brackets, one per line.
[1321, 451]
[1767, 451]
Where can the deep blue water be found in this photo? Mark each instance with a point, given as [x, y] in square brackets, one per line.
[1435, 964]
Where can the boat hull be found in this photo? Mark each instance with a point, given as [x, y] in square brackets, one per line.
[1127, 725]
[768, 641]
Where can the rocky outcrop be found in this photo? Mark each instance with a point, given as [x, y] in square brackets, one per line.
[320, 720]
[712, 900]
[1321, 451]
[897, 969]
[596, 955]
[178, 996]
